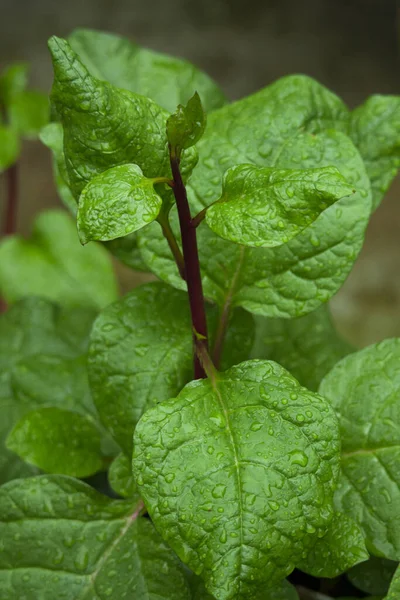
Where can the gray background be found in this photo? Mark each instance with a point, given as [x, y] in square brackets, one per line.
[350, 46]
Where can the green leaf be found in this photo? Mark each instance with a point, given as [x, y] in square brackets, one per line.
[33, 326]
[282, 127]
[238, 473]
[167, 80]
[239, 337]
[140, 354]
[282, 591]
[115, 203]
[64, 540]
[52, 136]
[263, 206]
[9, 147]
[58, 441]
[121, 478]
[308, 346]
[29, 112]
[394, 590]
[373, 576]
[339, 549]
[13, 80]
[104, 126]
[364, 389]
[186, 125]
[375, 130]
[53, 264]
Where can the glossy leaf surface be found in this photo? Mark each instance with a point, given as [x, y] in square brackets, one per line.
[95, 548]
[234, 478]
[364, 390]
[267, 207]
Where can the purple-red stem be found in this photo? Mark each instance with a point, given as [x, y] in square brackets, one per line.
[192, 264]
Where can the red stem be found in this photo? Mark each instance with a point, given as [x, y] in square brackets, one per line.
[192, 263]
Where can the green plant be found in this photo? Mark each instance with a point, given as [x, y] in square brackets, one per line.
[252, 215]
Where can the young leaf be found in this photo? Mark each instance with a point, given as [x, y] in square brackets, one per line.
[339, 549]
[263, 206]
[186, 125]
[54, 264]
[364, 389]
[167, 80]
[65, 540]
[293, 279]
[373, 576]
[29, 112]
[375, 130]
[58, 441]
[9, 147]
[105, 126]
[308, 347]
[30, 327]
[236, 477]
[394, 590]
[140, 354]
[115, 203]
[13, 80]
[121, 478]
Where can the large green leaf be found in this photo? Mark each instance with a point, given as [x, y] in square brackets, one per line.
[140, 353]
[127, 251]
[373, 576]
[105, 126]
[121, 478]
[33, 326]
[167, 80]
[238, 474]
[282, 591]
[267, 207]
[29, 112]
[364, 390]
[282, 127]
[58, 441]
[53, 264]
[394, 590]
[9, 146]
[308, 346]
[339, 549]
[375, 130]
[117, 202]
[66, 541]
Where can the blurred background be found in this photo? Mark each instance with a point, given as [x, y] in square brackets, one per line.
[351, 46]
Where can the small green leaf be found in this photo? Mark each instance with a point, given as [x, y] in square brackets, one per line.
[235, 477]
[13, 80]
[186, 125]
[53, 264]
[58, 441]
[394, 590]
[115, 203]
[105, 126]
[121, 478]
[167, 80]
[9, 147]
[140, 354]
[27, 380]
[262, 206]
[29, 112]
[64, 540]
[308, 347]
[339, 549]
[375, 130]
[364, 390]
[373, 576]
